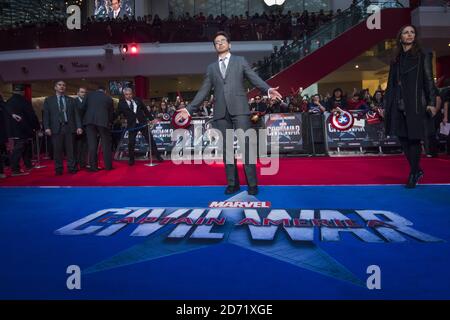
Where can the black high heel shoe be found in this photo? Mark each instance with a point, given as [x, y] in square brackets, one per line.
[413, 179]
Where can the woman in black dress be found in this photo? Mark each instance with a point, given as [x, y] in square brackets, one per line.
[410, 98]
[3, 136]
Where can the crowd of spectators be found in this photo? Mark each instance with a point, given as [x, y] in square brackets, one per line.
[152, 28]
[360, 100]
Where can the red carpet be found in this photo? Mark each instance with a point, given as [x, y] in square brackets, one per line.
[292, 171]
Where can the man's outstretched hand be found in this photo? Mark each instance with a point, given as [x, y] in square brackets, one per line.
[274, 94]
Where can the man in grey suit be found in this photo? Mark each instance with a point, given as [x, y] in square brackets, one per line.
[231, 109]
[61, 121]
[117, 10]
[98, 118]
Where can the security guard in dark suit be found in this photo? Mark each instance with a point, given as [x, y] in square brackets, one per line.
[81, 144]
[98, 118]
[61, 122]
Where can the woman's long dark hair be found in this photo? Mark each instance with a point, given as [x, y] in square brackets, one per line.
[416, 48]
[340, 90]
[374, 98]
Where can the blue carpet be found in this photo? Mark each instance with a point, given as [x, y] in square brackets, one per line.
[120, 266]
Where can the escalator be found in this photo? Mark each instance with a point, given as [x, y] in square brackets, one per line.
[332, 45]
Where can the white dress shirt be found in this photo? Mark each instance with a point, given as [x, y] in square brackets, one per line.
[226, 61]
[134, 107]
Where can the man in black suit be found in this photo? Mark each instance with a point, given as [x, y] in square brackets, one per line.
[117, 10]
[81, 145]
[231, 109]
[137, 115]
[22, 124]
[61, 121]
[98, 118]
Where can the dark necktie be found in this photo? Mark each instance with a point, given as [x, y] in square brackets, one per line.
[132, 109]
[223, 67]
[131, 105]
[63, 116]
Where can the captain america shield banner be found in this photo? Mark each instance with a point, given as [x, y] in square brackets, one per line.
[342, 121]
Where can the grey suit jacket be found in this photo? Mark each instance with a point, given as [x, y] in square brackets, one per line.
[51, 114]
[121, 14]
[229, 93]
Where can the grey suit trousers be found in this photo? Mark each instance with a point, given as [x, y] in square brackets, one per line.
[237, 122]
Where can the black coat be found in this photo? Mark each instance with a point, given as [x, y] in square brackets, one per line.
[51, 118]
[142, 115]
[23, 129]
[258, 107]
[79, 105]
[418, 92]
[445, 95]
[98, 109]
[3, 124]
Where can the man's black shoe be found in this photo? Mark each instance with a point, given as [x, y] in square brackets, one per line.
[159, 158]
[93, 170]
[73, 171]
[253, 191]
[58, 173]
[130, 162]
[232, 189]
